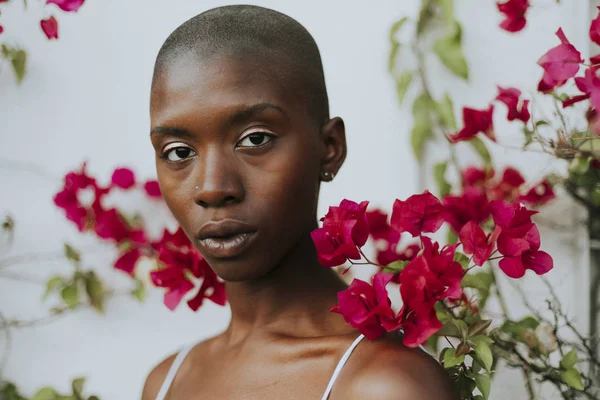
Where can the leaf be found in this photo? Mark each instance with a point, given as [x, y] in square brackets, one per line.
[439, 170]
[447, 10]
[462, 326]
[394, 43]
[426, 14]
[402, 84]
[479, 327]
[52, 284]
[451, 359]
[70, 295]
[529, 322]
[580, 165]
[449, 329]
[140, 290]
[483, 384]
[572, 378]
[482, 150]
[462, 349]
[422, 125]
[445, 110]
[451, 237]
[94, 290]
[8, 391]
[72, 254]
[462, 259]
[569, 360]
[77, 386]
[395, 267]
[19, 64]
[46, 393]
[481, 338]
[484, 354]
[449, 51]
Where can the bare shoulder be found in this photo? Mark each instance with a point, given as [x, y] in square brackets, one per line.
[156, 378]
[385, 369]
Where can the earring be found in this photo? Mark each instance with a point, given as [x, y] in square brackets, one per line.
[197, 187]
[327, 176]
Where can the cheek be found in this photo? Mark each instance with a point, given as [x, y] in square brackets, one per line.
[175, 191]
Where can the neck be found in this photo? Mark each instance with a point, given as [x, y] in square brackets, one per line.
[294, 299]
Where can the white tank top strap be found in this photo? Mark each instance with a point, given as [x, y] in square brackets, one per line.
[340, 366]
[173, 371]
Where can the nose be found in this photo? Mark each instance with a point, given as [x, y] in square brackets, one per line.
[218, 182]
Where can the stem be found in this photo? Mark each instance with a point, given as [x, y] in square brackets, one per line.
[501, 300]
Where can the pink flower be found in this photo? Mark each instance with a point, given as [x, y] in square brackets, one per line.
[560, 64]
[127, 261]
[417, 214]
[1, 29]
[538, 195]
[345, 229]
[510, 97]
[380, 229]
[110, 225]
[476, 121]
[50, 27]
[123, 178]
[473, 176]
[367, 308]
[67, 199]
[589, 84]
[514, 11]
[152, 188]
[471, 206]
[67, 5]
[508, 187]
[441, 263]
[476, 242]
[595, 29]
[539, 262]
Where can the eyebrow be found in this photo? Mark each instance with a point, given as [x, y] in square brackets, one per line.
[240, 116]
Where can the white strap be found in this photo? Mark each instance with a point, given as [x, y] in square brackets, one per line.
[340, 365]
[173, 371]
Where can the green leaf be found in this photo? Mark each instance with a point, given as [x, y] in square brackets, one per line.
[52, 284]
[572, 378]
[46, 393]
[72, 254]
[481, 338]
[449, 50]
[479, 327]
[70, 295]
[395, 267]
[439, 172]
[462, 259]
[569, 360]
[529, 322]
[445, 110]
[8, 391]
[77, 386]
[462, 327]
[451, 237]
[422, 127]
[484, 354]
[580, 165]
[451, 359]
[140, 290]
[462, 349]
[426, 15]
[94, 290]
[402, 84]
[592, 146]
[483, 384]
[19, 64]
[394, 43]
[449, 329]
[482, 150]
[447, 10]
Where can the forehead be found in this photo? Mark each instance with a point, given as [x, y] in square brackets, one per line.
[204, 87]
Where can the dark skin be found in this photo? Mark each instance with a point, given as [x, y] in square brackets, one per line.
[240, 131]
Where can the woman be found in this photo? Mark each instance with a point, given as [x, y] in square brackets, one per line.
[243, 139]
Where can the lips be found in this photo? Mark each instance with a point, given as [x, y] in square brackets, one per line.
[225, 238]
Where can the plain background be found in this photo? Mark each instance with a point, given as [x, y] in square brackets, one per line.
[86, 98]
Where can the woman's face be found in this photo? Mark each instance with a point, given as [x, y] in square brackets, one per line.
[238, 160]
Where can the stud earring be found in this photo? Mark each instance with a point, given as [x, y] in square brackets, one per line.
[327, 176]
[197, 187]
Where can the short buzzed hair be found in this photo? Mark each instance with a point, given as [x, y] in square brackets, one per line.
[245, 30]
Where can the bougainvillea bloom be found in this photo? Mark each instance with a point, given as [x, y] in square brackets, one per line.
[589, 84]
[473, 176]
[67, 5]
[441, 263]
[344, 229]
[110, 225]
[380, 229]
[472, 205]
[595, 30]
[1, 29]
[475, 121]
[514, 11]
[417, 214]
[476, 242]
[508, 186]
[67, 199]
[152, 188]
[516, 110]
[123, 178]
[539, 194]
[50, 27]
[367, 308]
[127, 261]
[560, 64]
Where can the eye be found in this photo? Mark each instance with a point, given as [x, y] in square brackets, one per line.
[256, 139]
[176, 152]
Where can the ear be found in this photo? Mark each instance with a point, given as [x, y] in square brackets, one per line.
[333, 137]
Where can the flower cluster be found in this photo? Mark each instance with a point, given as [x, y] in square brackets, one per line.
[179, 262]
[429, 276]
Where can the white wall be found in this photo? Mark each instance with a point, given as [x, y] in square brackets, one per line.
[86, 97]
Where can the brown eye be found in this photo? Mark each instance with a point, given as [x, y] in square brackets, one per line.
[256, 140]
[178, 153]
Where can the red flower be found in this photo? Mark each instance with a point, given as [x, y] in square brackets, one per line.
[152, 188]
[510, 97]
[538, 195]
[589, 84]
[473, 176]
[367, 308]
[476, 121]
[67, 5]
[50, 27]
[560, 64]
[539, 262]
[417, 214]
[508, 187]
[595, 30]
[389, 255]
[110, 225]
[127, 261]
[66, 199]
[380, 229]
[447, 271]
[514, 11]
[1, 29]
[123, 178]
[345, 228]
[471, 206]
[476, 242]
